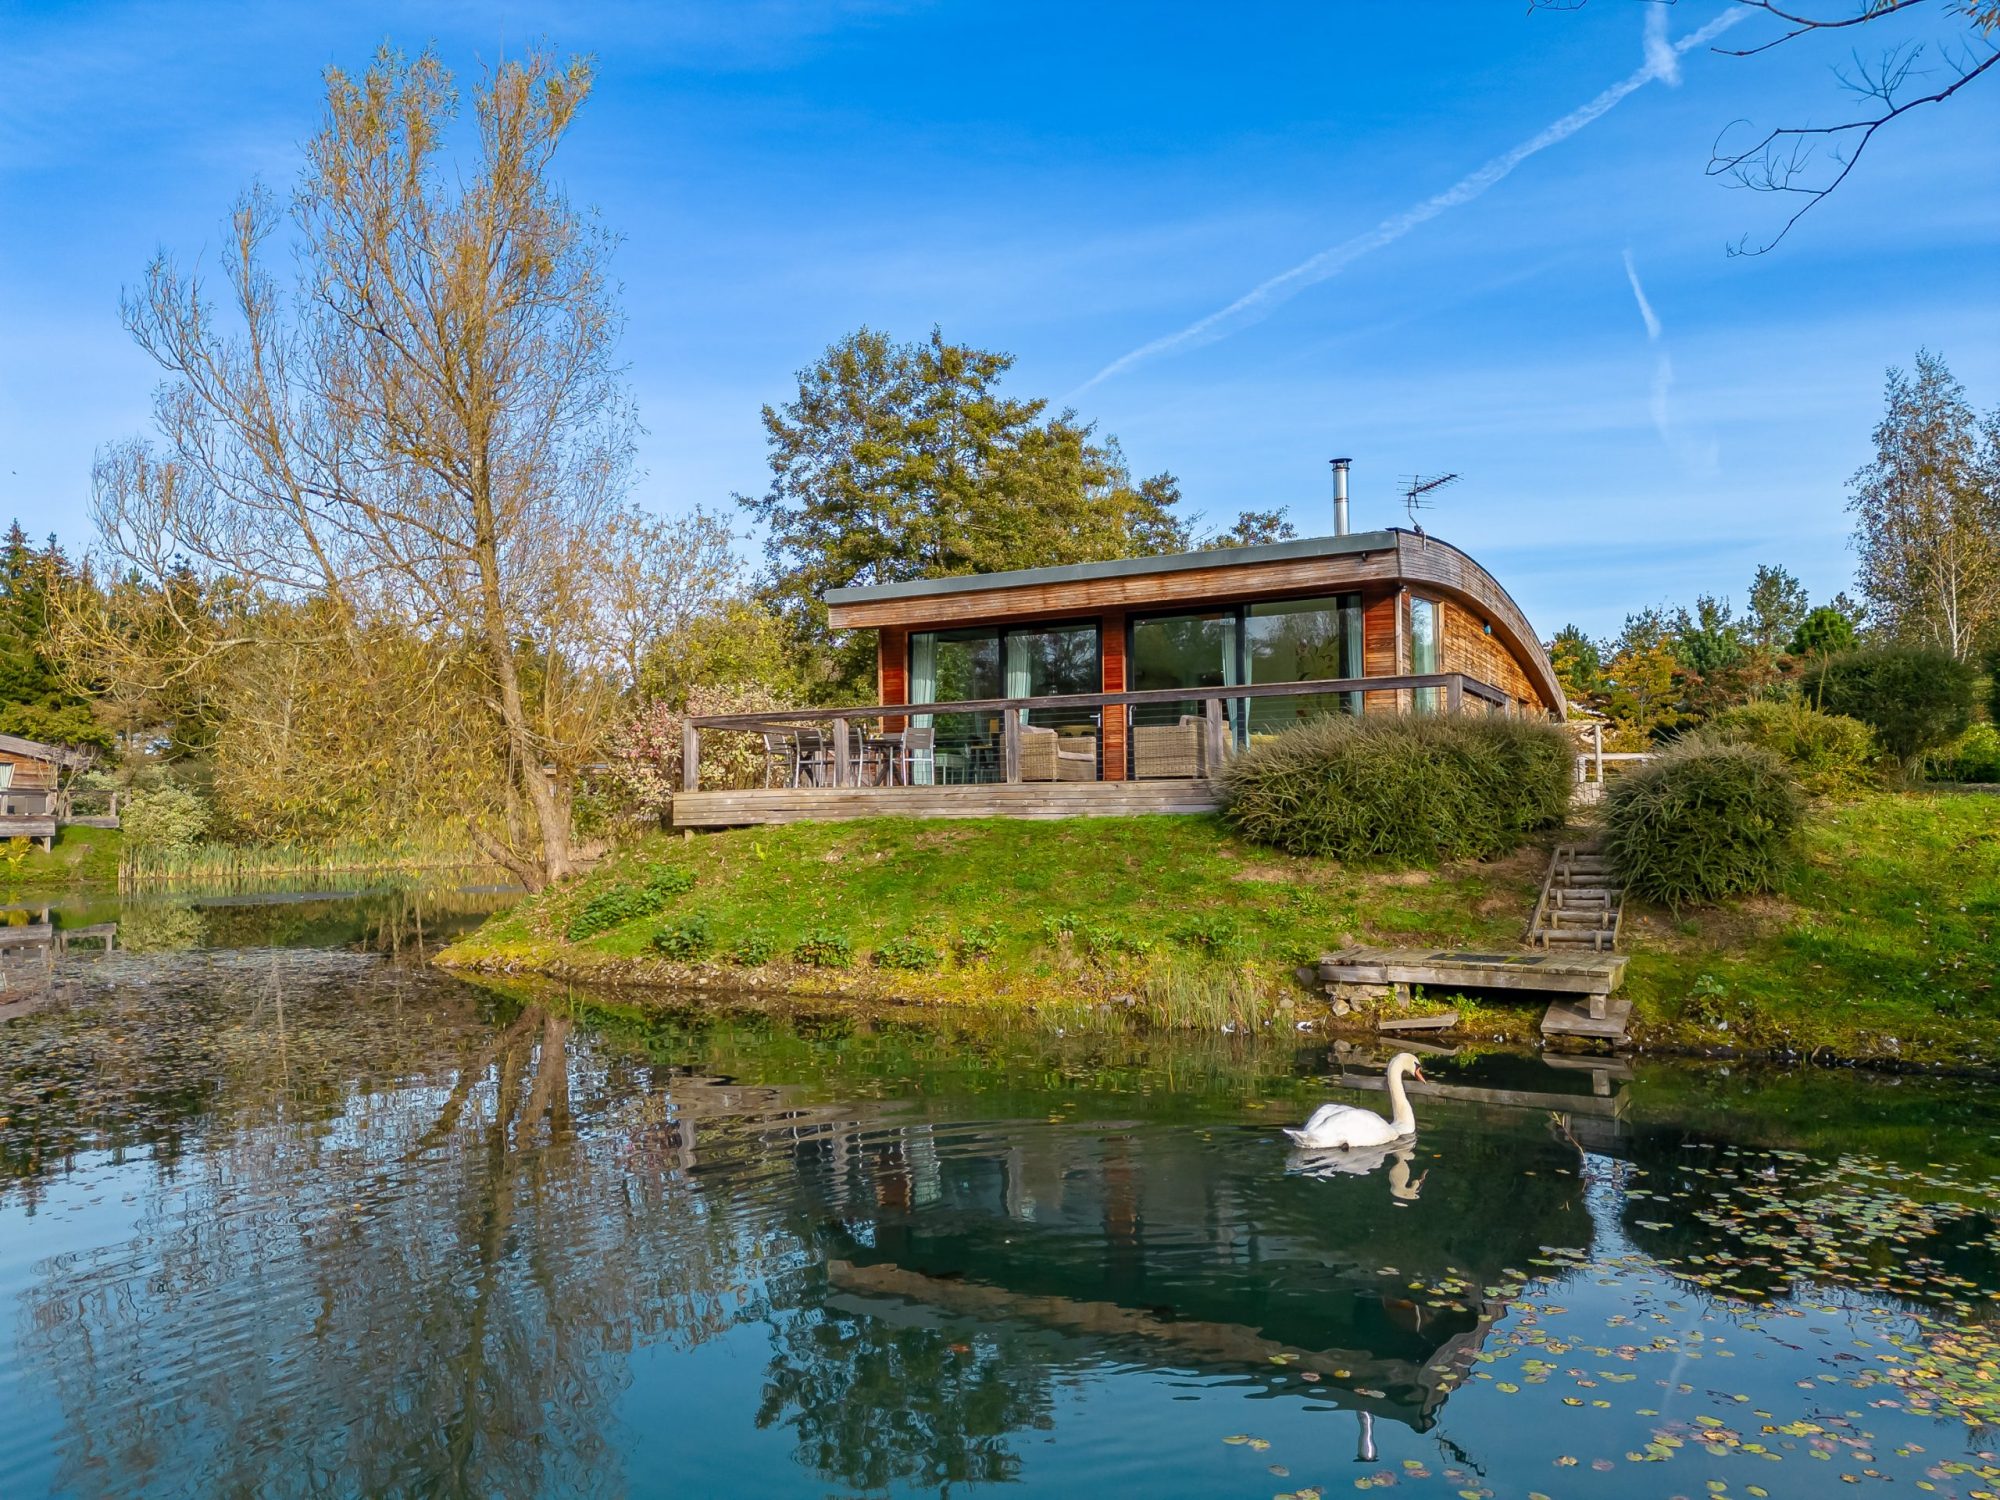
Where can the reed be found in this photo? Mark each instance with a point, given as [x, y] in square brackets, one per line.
[224, 864]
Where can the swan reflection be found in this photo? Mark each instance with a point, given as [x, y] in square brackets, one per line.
[1329, 1162]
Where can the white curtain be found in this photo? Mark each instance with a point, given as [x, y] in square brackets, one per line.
[923, 689]
[1017, 676]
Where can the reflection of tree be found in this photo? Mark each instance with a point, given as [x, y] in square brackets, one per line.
[420, 1289]
[161, 926]
[875, 1404]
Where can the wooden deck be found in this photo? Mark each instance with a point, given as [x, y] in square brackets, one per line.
[1041, 799]
[1582, 983]
[23, 826]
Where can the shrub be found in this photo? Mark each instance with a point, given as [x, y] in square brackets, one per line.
[1213, 935]
[975, 942]
[910, 954]
[1059, 925]
[1827, 753]
[683, 940]
[1703, 821]
[824, 948]
[1973, 756]
[752, 948]
[1914, 698]
[165, 821]
[616, 905]
[1412, 790]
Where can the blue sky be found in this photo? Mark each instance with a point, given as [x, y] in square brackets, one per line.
[1077, 183]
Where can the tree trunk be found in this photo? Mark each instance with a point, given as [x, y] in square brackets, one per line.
[550, 824]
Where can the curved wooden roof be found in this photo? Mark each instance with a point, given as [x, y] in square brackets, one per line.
[1275, 570]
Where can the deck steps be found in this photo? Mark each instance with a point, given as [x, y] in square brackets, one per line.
[1581, 905]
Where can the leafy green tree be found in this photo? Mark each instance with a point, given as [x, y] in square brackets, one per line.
[1822, 633]
[1927, 514]
[1709, 646]
[901, 461]
[1915, 698]
[37, 701]
[1253, 528]
[1777, 607]
[1578, 662]
[1641, 680]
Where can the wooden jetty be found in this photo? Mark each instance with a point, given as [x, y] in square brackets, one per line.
[1583, 982]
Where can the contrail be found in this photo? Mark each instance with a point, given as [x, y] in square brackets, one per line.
[1645, 308]
[1662, 62]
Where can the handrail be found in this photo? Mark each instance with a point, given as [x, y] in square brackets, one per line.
[1455, 685]
[1325, 685]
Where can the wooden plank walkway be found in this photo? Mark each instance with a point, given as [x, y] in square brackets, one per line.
[1583, 981]
[1028, 799]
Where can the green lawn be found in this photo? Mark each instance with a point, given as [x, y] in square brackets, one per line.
[1884, 942]
[1023, 910]
[81, 857]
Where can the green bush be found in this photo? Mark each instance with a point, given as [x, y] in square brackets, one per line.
[1406, 790]
[975, 942]
[752, 948]
[1914, 698]
[1703, 821]
[1213, 935]
[616, 905]
[1973, 756]
[165, 821]
[824, 948]
[684, 940]
[910, 954]
[1828, 753]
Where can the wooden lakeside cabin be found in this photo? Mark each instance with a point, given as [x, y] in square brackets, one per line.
[1118, 687]
[34, 790]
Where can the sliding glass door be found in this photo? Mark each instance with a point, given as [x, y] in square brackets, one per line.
[1300, 640]
[1285, 640]
[1035, 661]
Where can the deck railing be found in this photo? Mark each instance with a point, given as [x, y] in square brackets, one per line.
[1456, 694]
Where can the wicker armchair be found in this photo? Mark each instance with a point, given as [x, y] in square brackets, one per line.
[1169, 751]
[1047, 756]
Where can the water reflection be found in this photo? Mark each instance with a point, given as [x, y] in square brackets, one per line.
[301, 1223]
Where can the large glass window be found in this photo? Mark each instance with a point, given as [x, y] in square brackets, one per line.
[1040, 661]
[1183, 651]
[1298, 640]
[1424, 651]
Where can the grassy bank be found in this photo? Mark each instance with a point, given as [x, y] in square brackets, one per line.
[1881, 944]
[1170, 915]
[81, 858]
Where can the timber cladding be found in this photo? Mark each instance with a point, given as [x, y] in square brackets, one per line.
[1483, 632]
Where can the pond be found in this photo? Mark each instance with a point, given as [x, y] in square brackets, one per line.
[318, 1220]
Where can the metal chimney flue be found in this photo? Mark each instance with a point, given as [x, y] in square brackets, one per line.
[1340, 467]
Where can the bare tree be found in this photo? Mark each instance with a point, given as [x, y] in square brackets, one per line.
[1809, 162]
[429, 426]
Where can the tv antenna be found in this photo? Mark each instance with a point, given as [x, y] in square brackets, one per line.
[1417, 493]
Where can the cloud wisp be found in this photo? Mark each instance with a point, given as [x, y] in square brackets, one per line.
[1662, 63]
[1701, 458]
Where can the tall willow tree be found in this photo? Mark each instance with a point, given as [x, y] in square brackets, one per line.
[425, 425]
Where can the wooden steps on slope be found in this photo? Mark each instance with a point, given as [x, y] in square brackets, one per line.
[1581, 904]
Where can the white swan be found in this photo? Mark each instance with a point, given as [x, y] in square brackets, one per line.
[1344, 1127]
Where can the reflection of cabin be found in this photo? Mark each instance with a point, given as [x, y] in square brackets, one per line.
[33, 787]
[1207, 1252]
[1120, 686]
